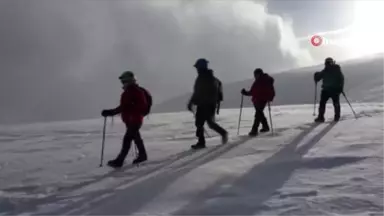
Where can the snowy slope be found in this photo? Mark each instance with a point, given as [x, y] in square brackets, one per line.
[303, 169]
[363, 83]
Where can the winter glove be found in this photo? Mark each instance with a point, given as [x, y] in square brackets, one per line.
[243, 92]
[106, 113]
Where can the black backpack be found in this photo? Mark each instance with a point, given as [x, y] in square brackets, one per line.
[220, 91]
[148, 97]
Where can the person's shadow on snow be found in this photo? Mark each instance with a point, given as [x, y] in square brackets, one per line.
[246, 195]
[141, 193]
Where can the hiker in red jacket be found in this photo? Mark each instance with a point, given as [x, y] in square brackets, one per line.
[132, 105]
[262, 92]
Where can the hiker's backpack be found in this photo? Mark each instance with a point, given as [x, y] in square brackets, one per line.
[148, 97]
[220, 91]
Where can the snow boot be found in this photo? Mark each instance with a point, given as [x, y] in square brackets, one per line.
[115, 163]
[253, 133]
[264, 130]
[224, 138]
[139, 159]
[320, 120]
[198, 146]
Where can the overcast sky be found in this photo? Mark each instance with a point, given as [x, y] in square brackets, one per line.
[61, 59]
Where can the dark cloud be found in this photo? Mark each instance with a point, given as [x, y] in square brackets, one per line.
[60, 59]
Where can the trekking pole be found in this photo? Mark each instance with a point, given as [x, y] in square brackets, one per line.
[103, 141]
[314, 102]
[241, 109]
[206, 133]
[136, 152]
[270, 116]
[349, 104]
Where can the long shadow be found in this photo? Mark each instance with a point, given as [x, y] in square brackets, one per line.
[144, 191]
[149, 167]
[247, 194]
[140, 171]
[329, 162]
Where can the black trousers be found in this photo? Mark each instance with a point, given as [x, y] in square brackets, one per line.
[259, 116]
[132, 134]
[206, 113]
[325, 95]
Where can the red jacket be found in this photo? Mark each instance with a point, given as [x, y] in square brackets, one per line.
[262, 90]
[132, 104]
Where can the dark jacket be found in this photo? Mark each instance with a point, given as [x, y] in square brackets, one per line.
[207, 89]
[333, 78]
[262, 90]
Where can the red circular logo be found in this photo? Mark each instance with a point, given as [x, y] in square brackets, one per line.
[316, 40]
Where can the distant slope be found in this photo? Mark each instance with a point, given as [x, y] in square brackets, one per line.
[363, 83]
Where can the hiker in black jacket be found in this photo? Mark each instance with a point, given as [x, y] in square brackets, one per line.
[333, 86]
[207, 95]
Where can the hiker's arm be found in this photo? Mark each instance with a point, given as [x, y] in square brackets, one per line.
[195, 92]
[245, 92]
[248, 93]
[119, 108]
[318, 76]
[341, 77]
[193, 98]
[111, 112]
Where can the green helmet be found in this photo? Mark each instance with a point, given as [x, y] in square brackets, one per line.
[127, 76]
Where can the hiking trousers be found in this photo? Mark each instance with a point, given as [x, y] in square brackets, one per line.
[325, 95]
[206, 113]
[132, 134]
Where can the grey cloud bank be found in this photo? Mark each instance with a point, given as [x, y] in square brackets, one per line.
[60, 59]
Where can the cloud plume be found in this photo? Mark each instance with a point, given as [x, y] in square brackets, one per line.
[61, 59]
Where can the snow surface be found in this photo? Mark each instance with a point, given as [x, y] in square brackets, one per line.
[302, 169]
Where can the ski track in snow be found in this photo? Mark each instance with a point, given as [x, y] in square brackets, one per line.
[303, 169]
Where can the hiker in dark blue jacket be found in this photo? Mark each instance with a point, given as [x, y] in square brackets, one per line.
[207, 95]
[333, 86]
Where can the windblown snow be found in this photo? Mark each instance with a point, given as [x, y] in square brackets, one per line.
[301, 169]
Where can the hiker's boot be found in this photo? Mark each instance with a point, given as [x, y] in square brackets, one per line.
[320, 119]
[139, 159]
[253, 133]
[255, 130]
[198, 146]
[264, 130]
[115, 163]
[224, 138]
[337, 112]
